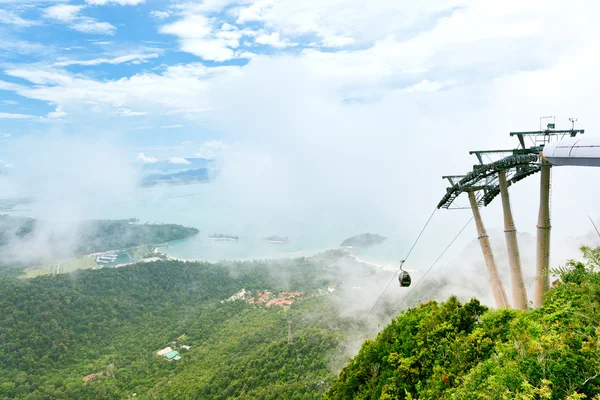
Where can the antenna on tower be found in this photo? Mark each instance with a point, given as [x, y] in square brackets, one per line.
[573, 120]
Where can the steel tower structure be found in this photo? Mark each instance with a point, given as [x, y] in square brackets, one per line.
[485, 182]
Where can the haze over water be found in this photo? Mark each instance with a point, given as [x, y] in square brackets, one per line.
[202, 206]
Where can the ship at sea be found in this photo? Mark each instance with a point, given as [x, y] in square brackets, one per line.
[222, 236]
[277, 239]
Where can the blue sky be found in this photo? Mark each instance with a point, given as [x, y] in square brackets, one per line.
[350, 99]
[182, 78]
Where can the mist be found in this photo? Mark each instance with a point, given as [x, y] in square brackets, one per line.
[67, 178]
[320, 145]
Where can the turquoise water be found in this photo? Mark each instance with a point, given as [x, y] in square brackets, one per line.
[211, 210]
[122, 258]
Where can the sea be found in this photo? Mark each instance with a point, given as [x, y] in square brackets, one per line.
[206, 208]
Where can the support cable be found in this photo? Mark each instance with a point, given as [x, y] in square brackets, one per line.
[405, 258]
[592, 221]
[437, 259]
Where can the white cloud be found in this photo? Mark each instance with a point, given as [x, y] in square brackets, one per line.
[6, 135]
[4, 115]
[172, 92]
[16, 46]
[211, 149]
[41, 76]
[90, 25]
[255, 12]
[56, 114]
[11, 18]
[10, 102]
[337, 41]
[141, 158]
[120, 2]
[426, 86]
[178, 160]
[190, 27]
[198, 36]
[113, 61]
[187, 143]
[5, 164]
[171, 126]
[445, 53]
[274, 40]
[349, 18]
[125, 112]
[9, 86]
[160, 14]
[64, 13]
[70, 14]
[213, 50]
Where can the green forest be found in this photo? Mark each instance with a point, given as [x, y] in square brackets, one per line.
[94, 334]
[56, 330]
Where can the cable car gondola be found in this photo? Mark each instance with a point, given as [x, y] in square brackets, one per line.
[404, 277]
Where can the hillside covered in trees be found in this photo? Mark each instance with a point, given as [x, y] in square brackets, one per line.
[451, 350]
[95, 235]
[94, 333]
[28, 241]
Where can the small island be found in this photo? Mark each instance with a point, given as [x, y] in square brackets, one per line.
[363, 240]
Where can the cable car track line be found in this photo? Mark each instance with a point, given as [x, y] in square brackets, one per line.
[405, 258]
[437, 259]
[592, 221]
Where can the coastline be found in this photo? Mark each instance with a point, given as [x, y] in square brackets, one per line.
[376, 266]
[290, 255]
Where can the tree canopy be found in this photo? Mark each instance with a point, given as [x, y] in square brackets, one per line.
[465, 351]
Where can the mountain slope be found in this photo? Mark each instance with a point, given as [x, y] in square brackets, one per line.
[107, 324]
[449, 350]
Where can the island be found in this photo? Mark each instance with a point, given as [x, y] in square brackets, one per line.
[363, 240]
[38, 247]
[200, 175]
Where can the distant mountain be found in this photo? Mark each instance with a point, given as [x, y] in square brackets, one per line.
[364, 240]
[167, 166]
[10, 203]
[178, 178]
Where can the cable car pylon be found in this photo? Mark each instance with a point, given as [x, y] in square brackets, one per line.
[486, 181]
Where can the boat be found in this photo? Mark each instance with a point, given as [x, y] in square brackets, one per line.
[277, 239]
[222, 236]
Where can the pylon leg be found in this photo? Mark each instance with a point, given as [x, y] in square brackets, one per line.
[542, 278]
[519, 293]
[495, 282]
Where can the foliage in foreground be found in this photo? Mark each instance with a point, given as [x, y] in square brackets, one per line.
[463, 351]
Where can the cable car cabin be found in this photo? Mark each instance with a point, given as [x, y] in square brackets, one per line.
[404, 279]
